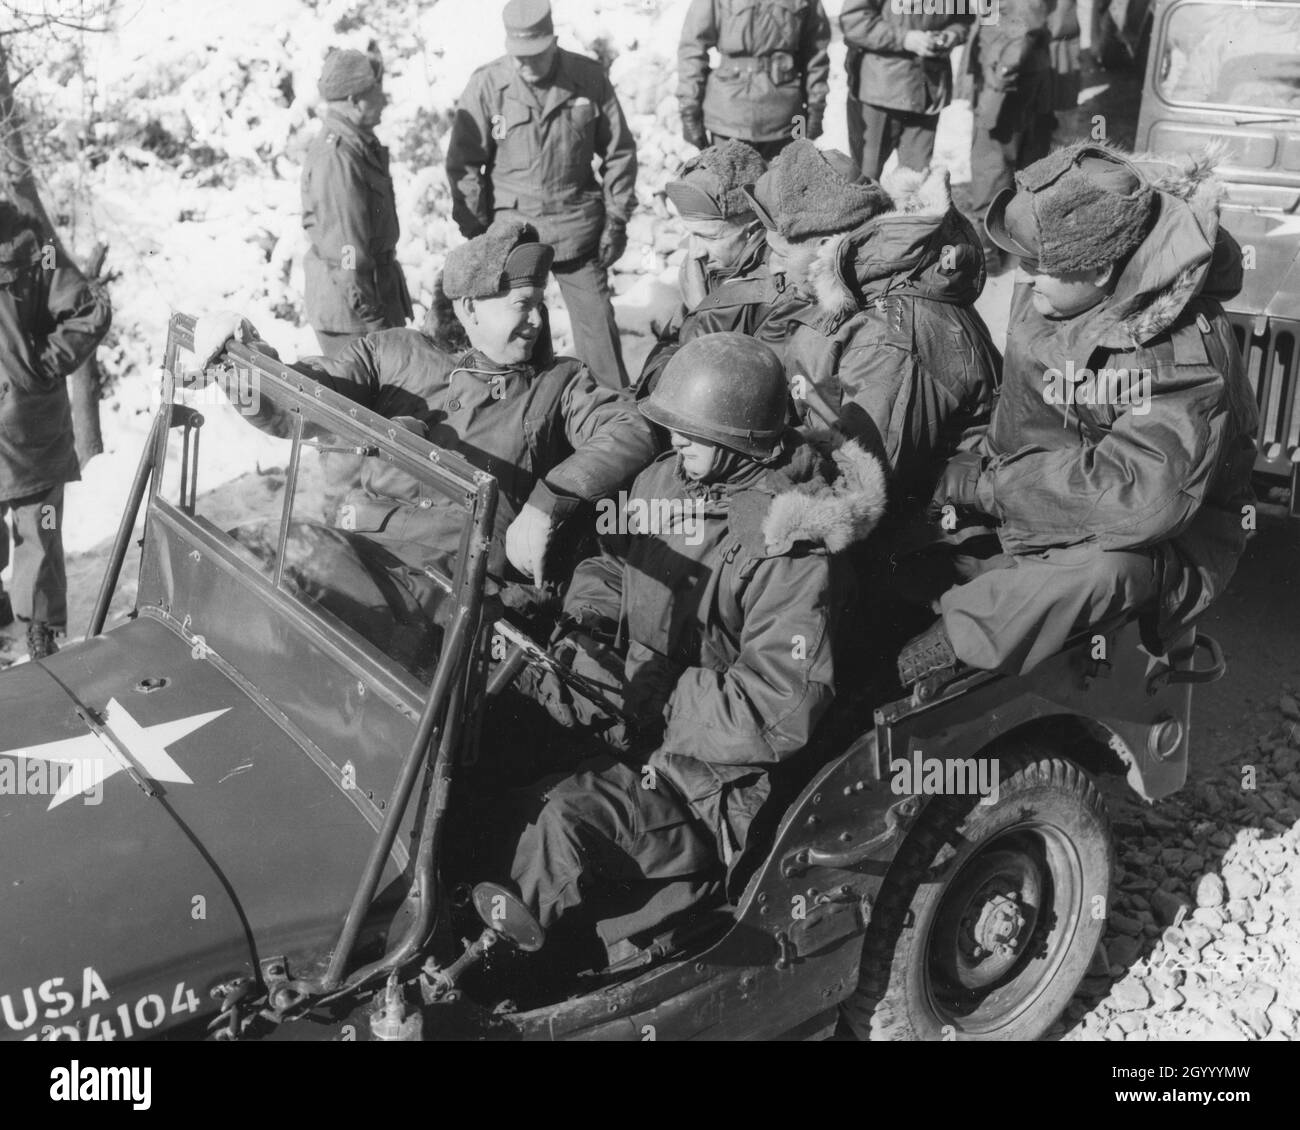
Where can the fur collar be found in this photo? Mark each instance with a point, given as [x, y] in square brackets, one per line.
[834, 511]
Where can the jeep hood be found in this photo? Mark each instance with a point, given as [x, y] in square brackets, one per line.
[246, 849]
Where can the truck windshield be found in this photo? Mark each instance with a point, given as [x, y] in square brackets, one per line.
[315, 506]
[1232, 55]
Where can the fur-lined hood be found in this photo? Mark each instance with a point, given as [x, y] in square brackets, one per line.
[1185, 254]
[443, 328]
[922, 246]
[822, 492]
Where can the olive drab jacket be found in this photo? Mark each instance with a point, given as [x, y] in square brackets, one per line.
[353, 281]
[526, 153]
[1133, 425]
[548, 431]
[891, 340]
[726, 617]
[51, 320]
[1010, 63]
[773, 67]
[880, 71]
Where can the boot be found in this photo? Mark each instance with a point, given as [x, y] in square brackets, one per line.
[40, 640]
[928, 654]
[6, 609]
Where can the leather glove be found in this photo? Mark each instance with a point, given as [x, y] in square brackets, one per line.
[959, 483]
[613, 242]
[693, 132]
[527, 540]
[213, 332]
[920, 43]
[813, 128]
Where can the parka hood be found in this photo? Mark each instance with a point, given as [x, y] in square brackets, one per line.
[1186, 253]
[922, 247]
[822, 492]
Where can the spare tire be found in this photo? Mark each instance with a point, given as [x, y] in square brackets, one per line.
[991, 913]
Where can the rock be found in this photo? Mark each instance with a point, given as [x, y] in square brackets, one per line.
[1210, 890]
[1198, 936]
[1208, 916]
[1124, 924]
[1256, 926]
[1169, 907]
[1122, 950]
[1282, 1018]
[1172, 858]
[1114, 1033]
[1193, 863]
[1130, 995]
[1221, 840]
[1290, 707]
[1254, 1019]
[1093, 987]
[1237, 910]
[1240, 883]
[1170, 999]
[1077, 1010]
[1128, 1022]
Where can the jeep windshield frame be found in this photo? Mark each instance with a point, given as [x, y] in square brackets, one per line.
[303, 409]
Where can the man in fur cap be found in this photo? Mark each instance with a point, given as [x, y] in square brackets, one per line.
[354, 284]
[481, 381]
[724, 279]
[1117, 463]
[881, 336]
[719, 586]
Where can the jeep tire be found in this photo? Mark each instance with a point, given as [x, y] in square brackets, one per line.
[990, 914]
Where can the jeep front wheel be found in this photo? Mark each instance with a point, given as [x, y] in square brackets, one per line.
[991, 912]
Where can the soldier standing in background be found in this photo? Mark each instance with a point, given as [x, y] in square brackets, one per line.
[526, 131]
[354, 284]
[1011, 68]
[899, 78]
[51, 320]
[774, 71]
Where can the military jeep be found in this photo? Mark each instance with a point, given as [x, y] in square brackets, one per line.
[239, 799]
[1227, 73]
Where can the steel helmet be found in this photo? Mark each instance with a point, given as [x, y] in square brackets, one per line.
[723, 388]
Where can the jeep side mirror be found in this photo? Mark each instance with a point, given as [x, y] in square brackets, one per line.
[503, 913]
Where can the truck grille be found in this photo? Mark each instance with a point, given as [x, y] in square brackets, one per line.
[1272, 357]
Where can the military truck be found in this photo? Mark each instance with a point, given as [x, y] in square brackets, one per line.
[236, 804]
[1227, 73]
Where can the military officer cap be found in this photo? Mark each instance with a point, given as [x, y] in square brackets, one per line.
[345, 73]
[507, 255]
[711, 185]
[1078, 209]
[529, 29]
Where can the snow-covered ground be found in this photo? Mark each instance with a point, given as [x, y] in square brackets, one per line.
[205, 111]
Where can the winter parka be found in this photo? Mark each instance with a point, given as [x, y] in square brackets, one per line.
[727, 616]
[51, 320]
[772, 67]
[548, 431]
[892, 338]
[526, 152]
[1133, 424]
[352, 280]
[881, 73]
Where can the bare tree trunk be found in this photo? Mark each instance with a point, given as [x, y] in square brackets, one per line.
[17, 179]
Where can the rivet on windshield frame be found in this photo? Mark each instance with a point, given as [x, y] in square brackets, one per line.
[151, 683]
[361, 688]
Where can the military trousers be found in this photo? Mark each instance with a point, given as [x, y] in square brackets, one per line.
[875, 132]
[584, 285]
[996, 155]
[39, 589]
[604, 828]
[1016, 611]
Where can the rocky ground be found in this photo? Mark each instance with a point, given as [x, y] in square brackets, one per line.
[1203, 938]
